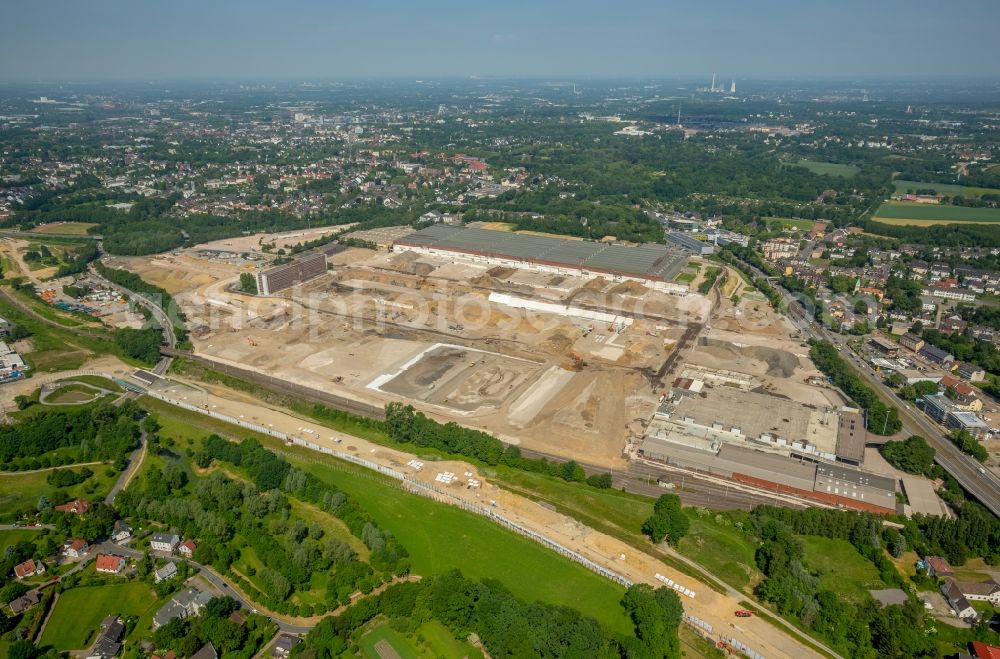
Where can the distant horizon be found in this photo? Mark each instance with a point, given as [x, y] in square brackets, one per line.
[119, 41]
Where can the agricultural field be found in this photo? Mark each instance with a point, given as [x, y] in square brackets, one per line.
[66, 228]
[947, 189]
[828, 168]
[79, 611]
[903, 213]
[841, 568]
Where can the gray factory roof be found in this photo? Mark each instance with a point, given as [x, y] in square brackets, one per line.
[648, 260]
[848, 475]
[733, 459]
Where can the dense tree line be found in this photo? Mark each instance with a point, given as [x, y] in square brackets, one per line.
[141, 344]
[880, 419]
[99, 432]
[973, 234]
[865, 631]
[912, 455]
[405, 425]
[506, 626]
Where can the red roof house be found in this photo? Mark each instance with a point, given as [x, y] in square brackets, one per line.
[77, 507]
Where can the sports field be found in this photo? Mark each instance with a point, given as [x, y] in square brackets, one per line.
[947, 189]
[829, 168]
[903, 213]
[431, 639]
[79, 612]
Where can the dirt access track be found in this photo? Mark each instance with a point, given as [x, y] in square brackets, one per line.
[566, 365]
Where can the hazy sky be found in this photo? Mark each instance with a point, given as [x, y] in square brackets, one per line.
[52, 40]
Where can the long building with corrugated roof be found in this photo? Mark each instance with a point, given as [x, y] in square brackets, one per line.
[651, 264]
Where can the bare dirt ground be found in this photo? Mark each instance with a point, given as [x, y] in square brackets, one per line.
[379, 313]
[253, 243]
[713, 607]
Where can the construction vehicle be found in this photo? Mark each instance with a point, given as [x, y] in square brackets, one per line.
[251, 341]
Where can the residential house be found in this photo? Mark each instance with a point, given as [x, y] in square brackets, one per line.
[284, 645]
[186, 603]
[166, 572]
[24, 602]
[164, 542]
[957, 601]
[981, 591]
[76, 507]
[75, 548]
[110, 563]
[911, 341]
[938, 567]
[982, 651]
[186, 548]
[109, 642]
[962, 394]
[29, 568]
[121, 532]
[970, 372]
[207, 651]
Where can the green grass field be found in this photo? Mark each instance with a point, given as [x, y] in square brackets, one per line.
[791, 222]
[900, 212]
[440, 537]
[947, 189]
[829, 168]
[842, 569]
[386, 636]
[685, 277]
[79, 611]
[437, 536]
[723, 549]
[19, 490]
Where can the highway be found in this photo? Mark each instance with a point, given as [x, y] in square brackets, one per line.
[169, 337]
[984, 487]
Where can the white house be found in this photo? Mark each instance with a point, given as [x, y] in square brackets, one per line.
[164, 542]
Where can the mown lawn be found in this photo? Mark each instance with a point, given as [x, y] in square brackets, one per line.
[387, 635]
[79, 612]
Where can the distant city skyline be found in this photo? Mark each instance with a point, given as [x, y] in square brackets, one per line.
[117, 40]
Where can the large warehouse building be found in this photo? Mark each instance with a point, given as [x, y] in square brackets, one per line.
[280, 277]
[653, 265]
[825, 483]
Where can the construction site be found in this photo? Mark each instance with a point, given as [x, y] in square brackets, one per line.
[567, 364]
[606, 370]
